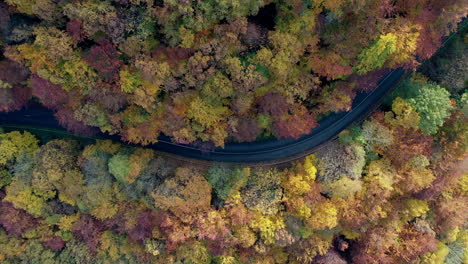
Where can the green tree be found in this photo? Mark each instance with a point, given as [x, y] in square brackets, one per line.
[433, 104]
[101, 193]
[119, 166]
[225, 180]
[375, 56]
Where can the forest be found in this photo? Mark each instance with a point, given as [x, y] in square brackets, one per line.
[385, 192]
[392, 189]
[208, 72]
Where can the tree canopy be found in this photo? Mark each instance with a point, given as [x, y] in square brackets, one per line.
[210, 72]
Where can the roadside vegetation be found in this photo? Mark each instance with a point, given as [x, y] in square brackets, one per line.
[208, 72]
[391, 190]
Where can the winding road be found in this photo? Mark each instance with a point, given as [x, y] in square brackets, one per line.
[261, 152]
[254, 152]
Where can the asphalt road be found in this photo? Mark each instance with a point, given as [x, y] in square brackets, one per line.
[266, 152]
[269, 150]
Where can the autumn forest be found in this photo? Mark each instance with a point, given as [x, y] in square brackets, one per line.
[390, 189]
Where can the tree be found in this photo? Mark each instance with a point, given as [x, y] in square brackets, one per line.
[56, 171]
[185, 195]
[324, 214]
[24, 197]
[13, 247]
[336, 98]
[15, 144]
[50, 38]
[105, 59]
[205, 114]
[139, 160]
[406, 44]
[51, 95]
[437, 256]
[96, 17]
[15, 221]
[380, 172]
[414, 244]
[119, 166]
[307, 249]
[13, 93]
[130, 81]
[343, 188]
[101, 194]
[23, 6]
[433, 104]
[75, 30]
[339, 160]
[194, 252]
[286, 116]
[329, 65]
[405, 115]
[89, 230]
[36, 253]
[376, 136]
[375, 56]
[331, 256]
[67, 119]
[92, 114]
[178, 18]
[415, 177]
[245, 130]
[267, 226]
[295, 124]
[225, 181]
[263, 192]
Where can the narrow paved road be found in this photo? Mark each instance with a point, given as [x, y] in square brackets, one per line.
[328, 128]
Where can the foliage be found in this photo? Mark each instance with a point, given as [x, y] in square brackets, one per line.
[375, 56]
[15, 144]
[390, 190]
[119, 166]
[186, 194]
[211, 72]
[108, 203]
[226, 181]
[433, 104]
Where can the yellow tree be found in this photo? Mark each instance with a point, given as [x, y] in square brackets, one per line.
[407, 37]
[185, 195]
[375, 56]
[394, 48]
[404, 115]
[14, 144]
[56, 170]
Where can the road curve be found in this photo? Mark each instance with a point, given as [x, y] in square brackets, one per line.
[252, 152]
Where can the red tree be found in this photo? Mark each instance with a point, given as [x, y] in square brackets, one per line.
[16, 95]
[67, 119]
[246, 130]
[89, 230]
[104, 58]
[146, 222]
[15, 221]
[55, 243]
[51, 95]
[296, 123]
[411, 142]
[75, 30]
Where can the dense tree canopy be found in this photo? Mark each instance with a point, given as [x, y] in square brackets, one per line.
[384, 192]
[392, 189]
[210, 72]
